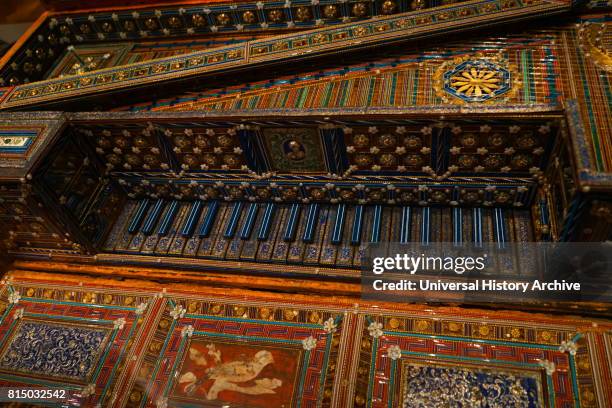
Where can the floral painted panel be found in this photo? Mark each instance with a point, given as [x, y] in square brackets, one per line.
[55, 350]
[425, 386]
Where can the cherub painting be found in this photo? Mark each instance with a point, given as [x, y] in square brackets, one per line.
[249, 375]
[294, 150]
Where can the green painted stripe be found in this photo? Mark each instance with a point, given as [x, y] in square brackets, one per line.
[6, 312]
[156, 368]
[551, 391]
[284, 99]
[105, 355]
[303, 93]
[343, 92]
[328, 93]
[178, 358]
[121, 354]
[393, 87]
[392, 382]
[253, 102]
[531, 74]
[526, 86]
[415, 84]
[572, 364]
[551, 78]
[371, 377]
[372, 86]
[302, 378]
[325, 366]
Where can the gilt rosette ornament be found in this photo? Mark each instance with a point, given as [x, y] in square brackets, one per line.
[476, 79]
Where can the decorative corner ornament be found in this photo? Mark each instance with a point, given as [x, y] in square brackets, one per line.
[119, 323]
[476, 79]
[178, 312]
[309, 343]
[375, 329]
[141, 309]
[330, 326]
[394, 352]
[187, 331]
[548, 366]
[14, 297]
[568, 347]
[18, 314]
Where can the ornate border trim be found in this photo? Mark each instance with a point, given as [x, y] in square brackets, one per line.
[373, 32]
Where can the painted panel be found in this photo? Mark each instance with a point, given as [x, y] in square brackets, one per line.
[159, 348]
[57, 350]
[426, 384]
[294, 150]
[255, 375]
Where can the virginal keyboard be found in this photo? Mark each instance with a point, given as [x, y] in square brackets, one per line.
[333, 235]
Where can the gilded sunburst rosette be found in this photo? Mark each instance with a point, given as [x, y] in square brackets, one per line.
[476, 79]
[595, 40]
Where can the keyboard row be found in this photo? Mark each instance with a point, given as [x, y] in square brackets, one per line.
[312, 234]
